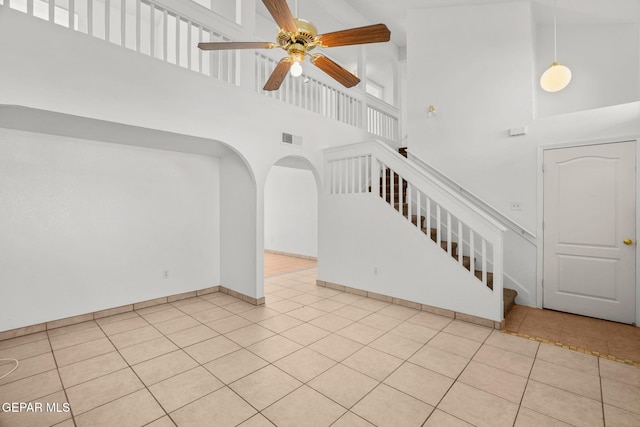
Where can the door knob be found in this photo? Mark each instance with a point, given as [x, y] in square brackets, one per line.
[627, 241]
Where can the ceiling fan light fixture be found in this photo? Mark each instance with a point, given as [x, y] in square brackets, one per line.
[296, 69]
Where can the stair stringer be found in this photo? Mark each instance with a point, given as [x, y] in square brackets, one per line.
[366, 244]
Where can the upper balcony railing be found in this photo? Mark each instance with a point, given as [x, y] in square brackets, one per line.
[139, 25]
[311, 94]
[172, 34]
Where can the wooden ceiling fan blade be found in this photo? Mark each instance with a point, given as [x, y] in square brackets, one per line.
[340, 74]
[278, 75]
[370, 34]
[281, 13]
[235, 45]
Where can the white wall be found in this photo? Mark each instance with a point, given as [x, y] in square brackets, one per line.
[481, 74]
[603, 60]
[474, 64]
[238, 253]
[291, 211]
[366, 244]
[88, 225]
[123, 86]
[82, 76]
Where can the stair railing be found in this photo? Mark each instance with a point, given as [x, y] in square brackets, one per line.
[373, 169]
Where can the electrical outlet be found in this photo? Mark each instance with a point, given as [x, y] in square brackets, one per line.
[165, 274]
[516, 206]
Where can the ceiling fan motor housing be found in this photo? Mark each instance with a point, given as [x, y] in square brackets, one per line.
[301, 41]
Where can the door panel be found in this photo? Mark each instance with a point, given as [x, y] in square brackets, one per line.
[589, 209]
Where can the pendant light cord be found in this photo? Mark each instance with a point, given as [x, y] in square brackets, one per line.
[296, 6]
[555, 38]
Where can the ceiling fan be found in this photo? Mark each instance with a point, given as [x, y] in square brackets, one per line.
[298, 37]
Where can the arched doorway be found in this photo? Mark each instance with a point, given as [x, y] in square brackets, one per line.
[291, 211]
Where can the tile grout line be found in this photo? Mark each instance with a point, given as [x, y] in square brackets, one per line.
[134, 373]
[455, 380]
[601, 390]
[574, 348]
[180, 373]
[526, 385]
[64, 389]
[224, 384]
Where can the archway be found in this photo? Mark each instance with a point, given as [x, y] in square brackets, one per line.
[291, 210]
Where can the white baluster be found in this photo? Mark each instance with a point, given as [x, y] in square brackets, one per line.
[384, 125]
[449, 243]
[332, 179]
[152, 26]
[472, 251]
[460, 243]
[165, 35]
[360, 160]
[438, 226]
[231, 73]
[384, 181]
[366, 172]
[107, 19]
[408, 193]
[392, 187]
[418, 209]
[200, 67]
[353, 174]
[138, 18]
[72, 14]
[339, 176]
[189, 45]
[428, 202]
[484, 261]
[354, 178]
[337, 165]
[52, 10]
[347, 177]
[343, 178]
[221, 54]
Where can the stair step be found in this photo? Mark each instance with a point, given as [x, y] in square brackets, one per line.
[443, 243]
[396, 182]
[396, 186]
[478, 274]
[403, 151]
[508, 300]
[414, 220]
[405, 207]
[434, 233]
[396, 197]
[396, 189]
[466, 261]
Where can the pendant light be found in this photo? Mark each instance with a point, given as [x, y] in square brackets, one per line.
[557, 76]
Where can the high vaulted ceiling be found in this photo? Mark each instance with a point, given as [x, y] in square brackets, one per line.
[331, 15]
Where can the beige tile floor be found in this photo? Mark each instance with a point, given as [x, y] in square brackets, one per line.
[312, 356]
[593, 335]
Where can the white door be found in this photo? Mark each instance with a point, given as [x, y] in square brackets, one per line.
[589, 230]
